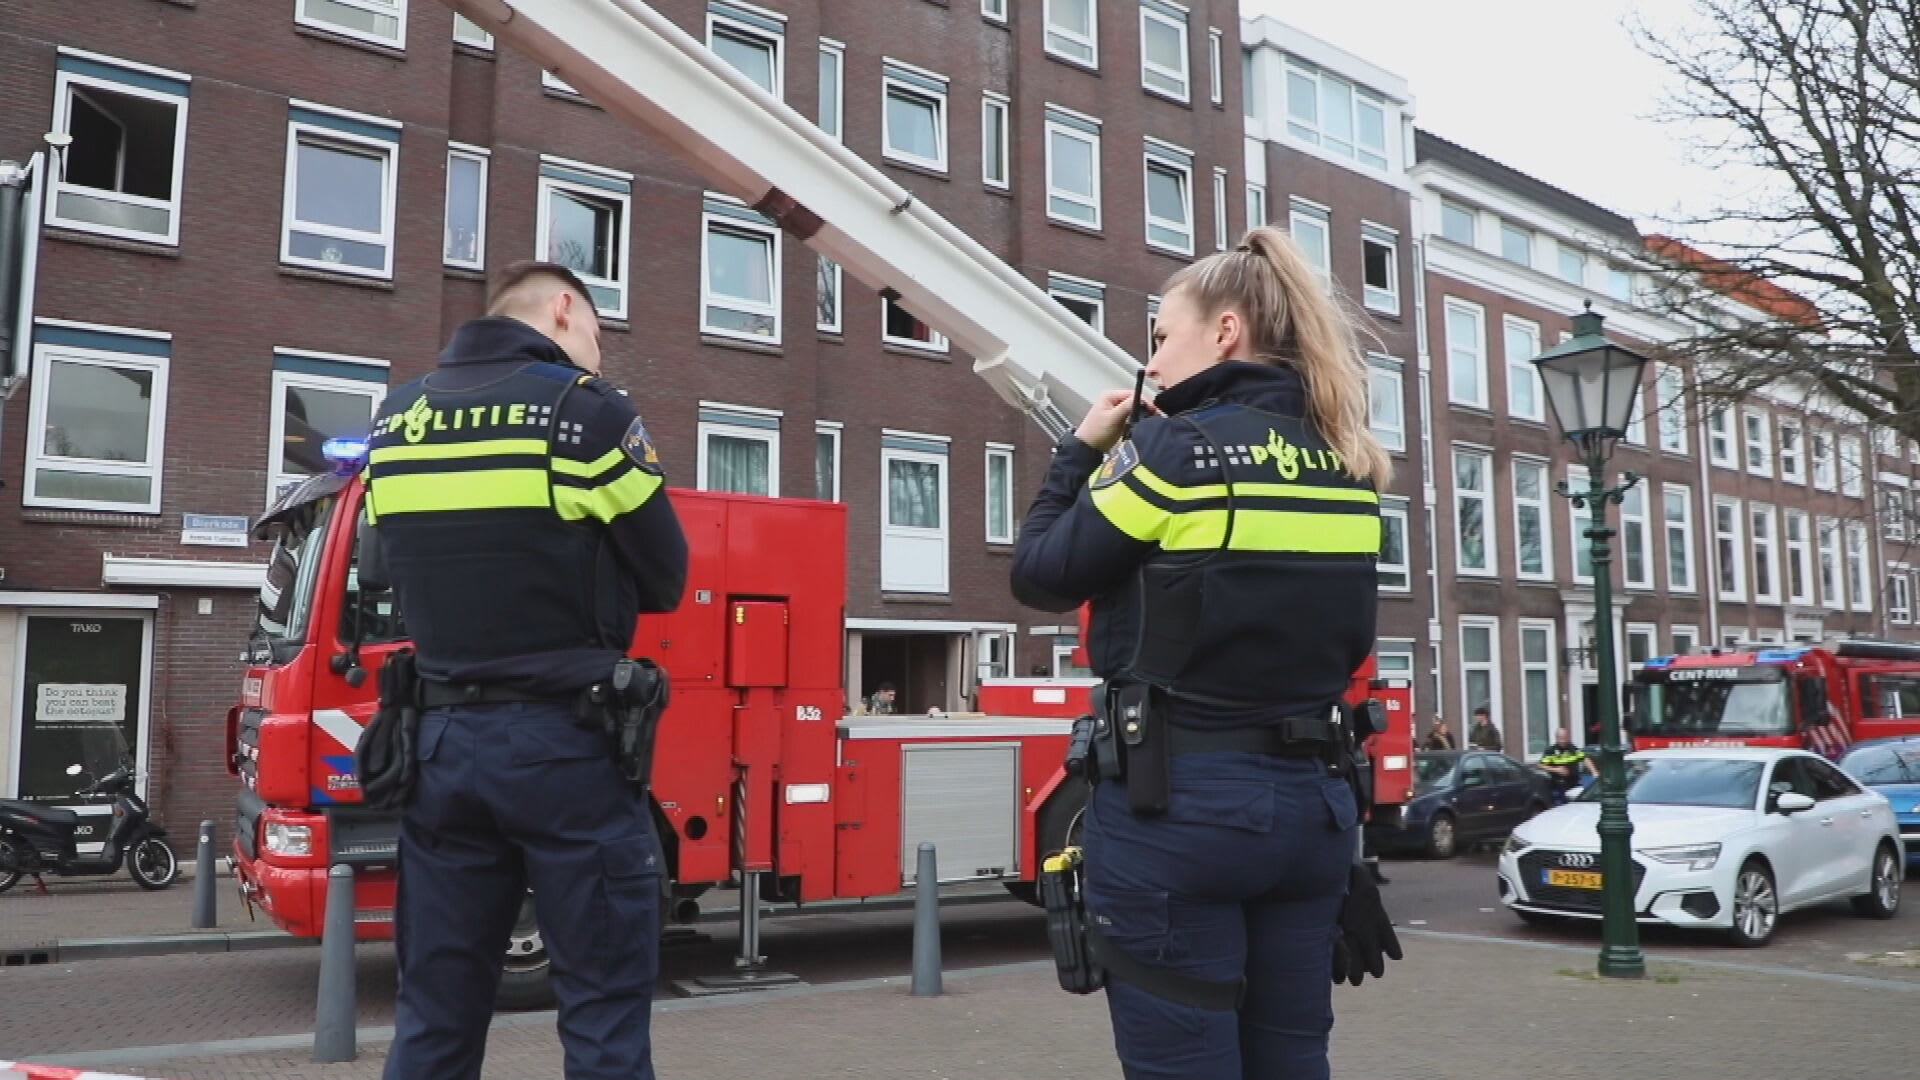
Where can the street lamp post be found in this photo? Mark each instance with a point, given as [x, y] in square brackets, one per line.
[1592, 385]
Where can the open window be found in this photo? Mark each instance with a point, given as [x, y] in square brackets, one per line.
[121, 175]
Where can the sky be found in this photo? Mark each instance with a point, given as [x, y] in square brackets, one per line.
[1555, 88]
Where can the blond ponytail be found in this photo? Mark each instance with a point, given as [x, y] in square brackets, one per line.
[1294, 322]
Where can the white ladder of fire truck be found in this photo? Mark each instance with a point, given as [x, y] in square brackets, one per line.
[645, 70]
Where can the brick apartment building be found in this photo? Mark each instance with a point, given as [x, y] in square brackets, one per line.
[270, 213]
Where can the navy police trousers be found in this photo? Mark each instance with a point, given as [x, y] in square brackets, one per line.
[1243, 875]
[512, 796]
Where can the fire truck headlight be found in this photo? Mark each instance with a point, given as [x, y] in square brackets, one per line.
[1696, 856]
[289, 839]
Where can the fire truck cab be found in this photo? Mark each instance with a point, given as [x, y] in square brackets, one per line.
[1823, 698]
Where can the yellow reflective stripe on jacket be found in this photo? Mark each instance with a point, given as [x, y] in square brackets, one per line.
[1274, 530]
[609, 500]
[450, 451]
[1154, 483]
[1129, 511]
[570, 467]
[484, 489]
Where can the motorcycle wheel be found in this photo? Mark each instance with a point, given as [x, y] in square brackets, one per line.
[9, 863]
[152, 864]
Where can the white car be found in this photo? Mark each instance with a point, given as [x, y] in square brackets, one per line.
[1724, 839]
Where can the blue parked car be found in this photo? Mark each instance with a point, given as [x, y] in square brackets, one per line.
[1462, 797]
[1891, 766]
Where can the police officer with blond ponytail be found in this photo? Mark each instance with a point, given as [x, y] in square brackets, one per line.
[1227, 542]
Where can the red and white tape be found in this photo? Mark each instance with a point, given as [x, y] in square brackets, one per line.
[10, 1070]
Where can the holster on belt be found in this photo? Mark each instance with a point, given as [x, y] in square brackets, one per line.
[628, 706]
[383, 760]
[1061, 881]
[1140, 727]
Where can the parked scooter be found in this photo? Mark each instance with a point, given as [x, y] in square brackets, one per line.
[38, 839]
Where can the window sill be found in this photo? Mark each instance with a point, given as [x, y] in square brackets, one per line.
[379, 284]
[916, 598]
[1075, 226]
[1005, 191]
[1171, 253]
[918, 354]
[1000, 547]
[830, 337]
[112, 243]
[921, 168]
[737, 345]
[350, 41]
[111, 519]
[1385, 313]
[461, 273]
[1092, 69]
[1162, 95]
[474, 51]
[562, 95]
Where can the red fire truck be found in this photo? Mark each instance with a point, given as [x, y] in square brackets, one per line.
[1822, 698]
[761, 779]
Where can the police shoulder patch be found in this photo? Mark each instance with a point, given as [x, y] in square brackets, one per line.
[639, 448]
[1119, 462]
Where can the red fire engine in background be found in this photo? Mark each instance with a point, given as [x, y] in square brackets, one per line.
[1821, 698]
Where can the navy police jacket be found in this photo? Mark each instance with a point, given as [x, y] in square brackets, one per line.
[520, 508]
[1285, 607]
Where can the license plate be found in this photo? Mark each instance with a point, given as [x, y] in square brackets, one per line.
[1573, 879]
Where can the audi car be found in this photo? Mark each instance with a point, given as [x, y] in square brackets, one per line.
[1724, 839]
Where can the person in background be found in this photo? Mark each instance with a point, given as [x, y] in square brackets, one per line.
[881, 703]
[1439, 736]
[1483, 735]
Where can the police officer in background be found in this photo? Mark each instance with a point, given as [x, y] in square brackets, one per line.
[1226, 623]
[518, 504]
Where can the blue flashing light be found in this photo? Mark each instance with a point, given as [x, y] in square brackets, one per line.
[1657, 662]
[1780, 656]
[347, 455]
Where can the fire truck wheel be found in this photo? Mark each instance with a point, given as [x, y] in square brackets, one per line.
[1054, 828]
[526, 978]
[1882, 900]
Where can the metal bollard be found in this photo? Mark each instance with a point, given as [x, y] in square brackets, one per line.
[333, 1026]
[205, 916]
[926, 925]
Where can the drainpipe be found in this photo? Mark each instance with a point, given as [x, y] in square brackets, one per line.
[1710, 588]
[1429, 494]
[21, 197]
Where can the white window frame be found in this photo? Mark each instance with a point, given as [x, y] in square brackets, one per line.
[1473, 222]
[1515, 229]
[1149, 13]
[999, 452]
[1487, 521]
[65, 85]
[1756, 433]
[838, 51]
[1552, 669]
[1899, 591]
[1646, 630]
[1765, 551]
[1684, 526]
[1302, 213]
[1477, 351]
[485, 39]
[1491, 665]
[1819, 439]
[1579, 519]
[389, 150]
[1799, 554]
[1720, 438]
[889, 84]
[1182, 169]
[1793, 462]
[483, 157]
[1544, 506]
[831, 429]
[1315, 134]
[1829, 558]
[1683, 630]
[717, 20]
[1153, 319]
[1080, 295]
[770, 436]
[37, 457]
[994, 10]
[397, 9]
[1386, 381]
[1386, 300]
[1256, 205]
[1520, 369]
[990, 103]
[1219, 208]
[1562, 250]
[839, 281]
[1737, 565]
[1636, 433]
[1089, 41]
[1859, 569]
[1852, 468]
[550, 81]
[374, 390]
[1091, 138]
[1645, 520]
[1395, 507]
[709, 222]
[1895, 505]
[1672, 379]
[888, 455]
[1215, 54]
[939, 344]
[624, 227]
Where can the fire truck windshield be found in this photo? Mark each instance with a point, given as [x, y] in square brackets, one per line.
[286, 596]
[1709, 707]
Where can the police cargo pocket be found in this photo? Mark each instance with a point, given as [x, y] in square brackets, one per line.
[538, 743]
[432, 730]
[628, 919]
[1343, 812]
[1135, 921]
[1245, 805]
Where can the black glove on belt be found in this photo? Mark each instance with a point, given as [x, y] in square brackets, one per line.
[1366, 932]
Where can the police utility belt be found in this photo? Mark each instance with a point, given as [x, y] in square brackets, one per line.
[626, 707]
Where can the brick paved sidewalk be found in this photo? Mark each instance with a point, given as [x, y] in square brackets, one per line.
[1476, 1011]
[113, 907]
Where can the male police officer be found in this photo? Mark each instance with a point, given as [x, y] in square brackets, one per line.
[519, 507]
